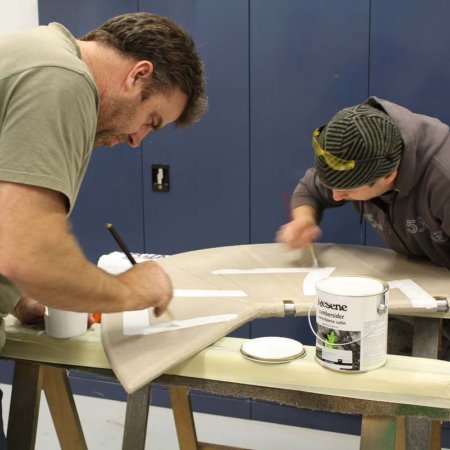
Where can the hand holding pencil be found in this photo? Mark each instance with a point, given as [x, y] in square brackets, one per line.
[149, 287]
[147, 280]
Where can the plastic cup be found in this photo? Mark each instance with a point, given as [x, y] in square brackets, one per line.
[65, 324]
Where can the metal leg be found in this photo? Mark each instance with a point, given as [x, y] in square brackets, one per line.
[24, 407]
[427, 337]
[136, 419]
[426, 340]
[422, 434]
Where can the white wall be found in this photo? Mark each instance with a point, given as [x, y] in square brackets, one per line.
[18, 15]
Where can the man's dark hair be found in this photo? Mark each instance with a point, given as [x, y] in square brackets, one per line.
[176, 63]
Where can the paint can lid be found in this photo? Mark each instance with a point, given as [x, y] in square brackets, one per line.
[351, 286]
[272, 349]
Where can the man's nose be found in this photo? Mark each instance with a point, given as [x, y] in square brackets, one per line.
[135, 139]
[339, 195]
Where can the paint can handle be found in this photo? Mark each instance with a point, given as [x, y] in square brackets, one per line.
[381, 309]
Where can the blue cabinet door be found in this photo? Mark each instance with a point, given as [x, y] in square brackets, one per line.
[81, 16]
[409, 55]
[308, 59]
[208, 201]
[112, 188]
[409, 58]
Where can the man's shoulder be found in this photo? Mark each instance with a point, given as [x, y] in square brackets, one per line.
[44, 46]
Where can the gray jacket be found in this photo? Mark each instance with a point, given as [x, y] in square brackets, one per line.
[415, 220]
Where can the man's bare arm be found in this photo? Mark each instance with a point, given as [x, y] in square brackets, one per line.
[41, 256]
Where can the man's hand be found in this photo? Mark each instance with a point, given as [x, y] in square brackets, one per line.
[29, 311]
[149, 286]
[302, 230]
[56, 272]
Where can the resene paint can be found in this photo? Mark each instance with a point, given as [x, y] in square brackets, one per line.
[351, 316]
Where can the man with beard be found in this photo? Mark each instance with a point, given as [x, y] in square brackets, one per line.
[59, 98]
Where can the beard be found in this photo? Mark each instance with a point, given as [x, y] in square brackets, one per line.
[105, 138]
[113, 122]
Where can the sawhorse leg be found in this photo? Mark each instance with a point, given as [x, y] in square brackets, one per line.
[29, 380]
[63, 409]
[184, 422]
[184, 419]
[378, 432]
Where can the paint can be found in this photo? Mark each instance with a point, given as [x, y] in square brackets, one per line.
[352, 320]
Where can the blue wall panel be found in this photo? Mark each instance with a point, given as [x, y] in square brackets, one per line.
[409, 54]
[81, 16]
[409, 58]
[308, 59]
[208, 201]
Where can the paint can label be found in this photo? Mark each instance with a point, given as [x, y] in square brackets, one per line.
[351, 325]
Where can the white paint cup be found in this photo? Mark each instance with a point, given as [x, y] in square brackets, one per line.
[65, 324]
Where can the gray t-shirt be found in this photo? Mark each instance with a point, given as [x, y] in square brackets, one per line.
[48, 117]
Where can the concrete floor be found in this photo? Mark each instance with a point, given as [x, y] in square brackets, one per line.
[103, 422]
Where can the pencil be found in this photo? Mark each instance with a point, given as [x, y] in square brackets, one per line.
[120, 243]
[128, 254]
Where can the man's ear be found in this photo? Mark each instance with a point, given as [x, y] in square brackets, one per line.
[389, 179]
[141, 71]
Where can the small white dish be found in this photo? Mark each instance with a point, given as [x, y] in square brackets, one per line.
[272, 350]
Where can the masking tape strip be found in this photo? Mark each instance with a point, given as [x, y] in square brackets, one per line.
[137, 323]
[208, 293]
[262, 271]
[418, 296]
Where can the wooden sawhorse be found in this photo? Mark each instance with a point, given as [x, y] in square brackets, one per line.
[382, 422]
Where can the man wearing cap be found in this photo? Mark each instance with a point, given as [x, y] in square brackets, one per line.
[394, 165]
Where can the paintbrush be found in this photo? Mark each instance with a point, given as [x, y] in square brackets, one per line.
[128, 254]
[286, 204]
[314, 257]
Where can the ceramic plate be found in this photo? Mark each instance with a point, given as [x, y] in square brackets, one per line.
[272, 349]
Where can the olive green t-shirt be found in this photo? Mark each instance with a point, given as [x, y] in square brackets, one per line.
[48, 116]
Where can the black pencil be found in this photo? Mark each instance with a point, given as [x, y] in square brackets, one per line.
[128, 254]
[120, 243]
